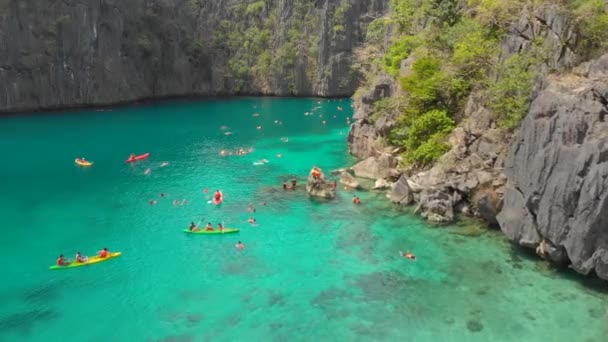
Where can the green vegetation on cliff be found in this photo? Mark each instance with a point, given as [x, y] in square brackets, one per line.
[442, 51]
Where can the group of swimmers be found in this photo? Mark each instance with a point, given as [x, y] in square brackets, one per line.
[290, 187]
[239, 152]
[62, 261]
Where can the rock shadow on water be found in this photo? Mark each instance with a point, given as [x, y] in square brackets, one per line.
[43, 293]
[177, 338]
[474, 325]
[330, 297]
[25, 321]
[276, 298]
[384, 285]
[193, 319]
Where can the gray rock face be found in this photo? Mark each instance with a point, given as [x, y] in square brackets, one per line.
[91, 52]
[558, 171]
[401, 192]
[436, 206]
[347, 179]
[320, 188]
[376, 167]
[381, 184]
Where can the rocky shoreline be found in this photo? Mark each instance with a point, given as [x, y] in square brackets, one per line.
[546, 187]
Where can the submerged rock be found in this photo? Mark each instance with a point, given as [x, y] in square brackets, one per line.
[557, 191]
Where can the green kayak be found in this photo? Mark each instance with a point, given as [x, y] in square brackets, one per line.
[214, 231]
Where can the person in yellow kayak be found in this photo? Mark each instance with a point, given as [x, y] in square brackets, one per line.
[193, 227]
[61, 261]
[209, 227]
[80, 258]
[104, 253]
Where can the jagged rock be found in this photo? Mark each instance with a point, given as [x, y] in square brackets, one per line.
[436, 206]
[488, 205]
[347, 179]
[557, 171]
[375, 167]
[363, 139]
[320, 188]
[381, 184]
[401, 192]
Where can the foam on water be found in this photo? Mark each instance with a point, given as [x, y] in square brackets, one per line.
[311, 270]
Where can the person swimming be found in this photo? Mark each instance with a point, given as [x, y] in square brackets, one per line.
[104, 253]
[209, 227]
[217, 196]
[152, 202]
[356, 200]
[240, 245]
[252, 220]
[251, 208]
[408, 255]
[293, 184]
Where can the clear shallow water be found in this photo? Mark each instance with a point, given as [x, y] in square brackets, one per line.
[311, 270]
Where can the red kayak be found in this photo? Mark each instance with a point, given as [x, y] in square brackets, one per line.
[139, 157]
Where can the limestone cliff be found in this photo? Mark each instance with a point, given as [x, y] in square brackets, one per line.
[557, 193]
[522, 134]
[73, 53]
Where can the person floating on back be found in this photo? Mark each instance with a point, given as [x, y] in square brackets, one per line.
[408, 255]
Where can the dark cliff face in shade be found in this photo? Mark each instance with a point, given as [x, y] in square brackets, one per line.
[556, 198]
[75, 53]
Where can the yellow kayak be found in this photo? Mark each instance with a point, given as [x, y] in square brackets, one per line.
[82, 162]
[91, 261]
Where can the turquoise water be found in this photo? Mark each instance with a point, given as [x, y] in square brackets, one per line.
[311, 270]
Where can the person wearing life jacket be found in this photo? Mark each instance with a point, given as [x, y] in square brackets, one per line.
[104, 253]
[209, 227]
[80, 258]
[217, 196]
[132, 156]
[61, 261]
